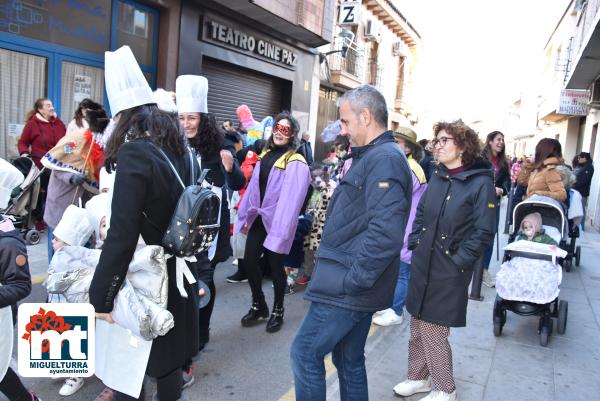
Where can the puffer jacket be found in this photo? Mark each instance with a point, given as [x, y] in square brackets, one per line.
[15, 280]
[140, 305]
[545, 181]
[454, 224]
[356, 266]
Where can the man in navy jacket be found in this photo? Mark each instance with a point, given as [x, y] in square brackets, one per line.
[356, 265]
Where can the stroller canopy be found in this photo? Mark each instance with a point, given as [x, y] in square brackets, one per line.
[552, 212]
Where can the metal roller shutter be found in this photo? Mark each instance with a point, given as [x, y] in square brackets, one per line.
[230, 86]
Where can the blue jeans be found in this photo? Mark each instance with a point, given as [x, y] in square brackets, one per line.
[342, 332]
[401, 288]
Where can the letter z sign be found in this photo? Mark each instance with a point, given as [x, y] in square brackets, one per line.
[349, 13]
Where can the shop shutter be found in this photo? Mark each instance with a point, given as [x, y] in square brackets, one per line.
[230, 86]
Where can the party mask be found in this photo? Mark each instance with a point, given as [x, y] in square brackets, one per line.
[283, 130]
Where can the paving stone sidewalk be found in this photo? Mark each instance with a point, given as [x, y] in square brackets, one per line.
[513, 367]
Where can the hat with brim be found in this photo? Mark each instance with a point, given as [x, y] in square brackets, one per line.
[407, 134]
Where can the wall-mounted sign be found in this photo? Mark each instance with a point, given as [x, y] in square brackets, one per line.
[82, 87]
[249, 43]
[349, 13]
[574, 102]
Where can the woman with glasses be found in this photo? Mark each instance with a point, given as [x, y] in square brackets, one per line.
[269, 213]
[453, 226]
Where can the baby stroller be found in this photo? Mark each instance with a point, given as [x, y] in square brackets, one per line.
[21, 207]
[538, 296]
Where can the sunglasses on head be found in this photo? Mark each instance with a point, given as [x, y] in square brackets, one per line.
[283, 130]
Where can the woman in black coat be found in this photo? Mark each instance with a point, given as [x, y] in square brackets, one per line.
[495, 152]
[217, 154]
[145, 195]
[454, 224]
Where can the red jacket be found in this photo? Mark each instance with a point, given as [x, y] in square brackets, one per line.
[40, 136]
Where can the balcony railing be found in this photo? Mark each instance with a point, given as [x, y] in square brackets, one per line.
[585, 22]
[352, 64]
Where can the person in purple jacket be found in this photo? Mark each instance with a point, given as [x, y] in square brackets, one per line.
[268, 214]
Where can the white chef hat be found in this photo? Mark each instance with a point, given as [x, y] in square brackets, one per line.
[165, 100]
[191, 93]
[74, 228]
[10, 178]
[126, 85]
[97, 208]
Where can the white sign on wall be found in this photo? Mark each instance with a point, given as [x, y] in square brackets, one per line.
[349, 13]
[82, 88]
[574, 102]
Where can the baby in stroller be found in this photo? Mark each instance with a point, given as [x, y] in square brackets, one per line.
[530, 279]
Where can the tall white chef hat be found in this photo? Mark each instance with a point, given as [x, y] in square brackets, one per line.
[191, 91]
[126, 85]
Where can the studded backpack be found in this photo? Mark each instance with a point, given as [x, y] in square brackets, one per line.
[195, 222]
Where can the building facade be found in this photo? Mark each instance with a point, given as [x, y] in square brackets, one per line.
[373, 43]
[260, 53]
[584, 75]
[257, 53]
[55, 49]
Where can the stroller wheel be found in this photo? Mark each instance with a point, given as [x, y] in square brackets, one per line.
[563, 312]
[577, 255]
[32, 237]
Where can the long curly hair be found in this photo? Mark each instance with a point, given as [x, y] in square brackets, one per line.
[209, 139]
[466, 139]
[146, 121]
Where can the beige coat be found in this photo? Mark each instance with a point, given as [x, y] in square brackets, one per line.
[545, 181]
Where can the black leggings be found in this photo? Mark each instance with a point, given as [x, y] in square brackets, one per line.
[168, 387]
[207, 275]
[12, 387]
[254, 249]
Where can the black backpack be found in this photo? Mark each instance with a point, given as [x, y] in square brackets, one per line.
[195, 222]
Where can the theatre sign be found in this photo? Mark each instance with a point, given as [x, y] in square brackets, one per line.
[249, 43]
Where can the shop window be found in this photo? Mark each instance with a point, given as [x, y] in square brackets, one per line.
[75, 24]
[136, 26]
[23, 79]
[78, 82]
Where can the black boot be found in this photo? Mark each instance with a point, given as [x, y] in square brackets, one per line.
[276, 320]
[257, 313]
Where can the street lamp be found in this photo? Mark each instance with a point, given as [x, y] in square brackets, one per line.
[347, 39]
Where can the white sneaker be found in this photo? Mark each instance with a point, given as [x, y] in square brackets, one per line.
[235, 262]
[440, 396]
[488, 280]
[410, 387]
[71, 386]
[388, 318]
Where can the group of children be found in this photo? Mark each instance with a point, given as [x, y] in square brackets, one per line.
[79, 227]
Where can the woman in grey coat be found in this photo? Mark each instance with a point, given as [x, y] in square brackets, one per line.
[454, 224]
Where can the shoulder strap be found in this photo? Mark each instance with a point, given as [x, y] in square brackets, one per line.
[170, 165]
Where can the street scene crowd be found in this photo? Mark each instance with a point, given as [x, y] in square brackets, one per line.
[386, 229]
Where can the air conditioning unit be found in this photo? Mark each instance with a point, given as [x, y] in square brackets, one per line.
[372, 31]
[595, 94]
[399, 49]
